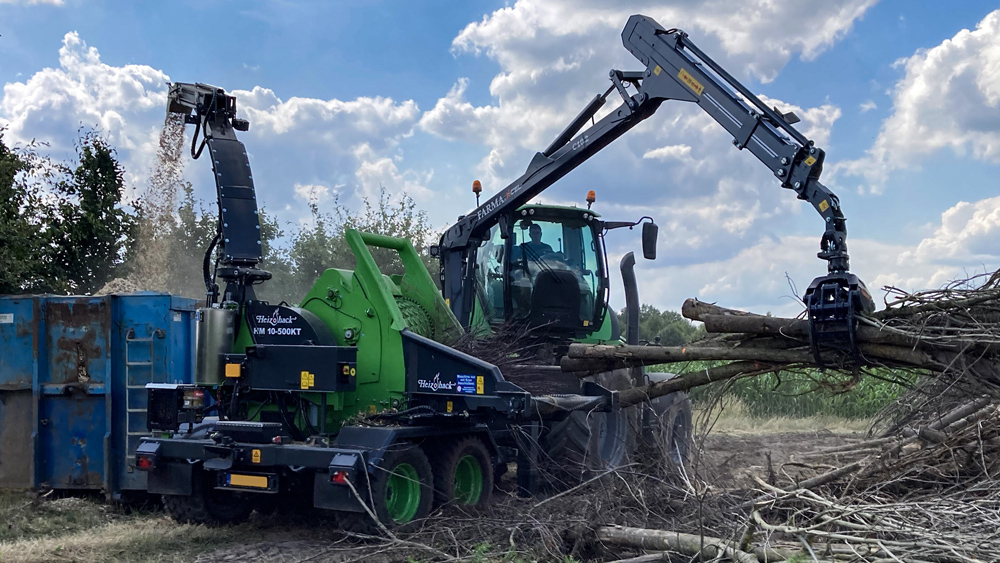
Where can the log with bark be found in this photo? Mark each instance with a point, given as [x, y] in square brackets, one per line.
[952, 333]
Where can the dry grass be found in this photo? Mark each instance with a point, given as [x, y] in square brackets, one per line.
[732, 417]
[88, 529]
[134, 539]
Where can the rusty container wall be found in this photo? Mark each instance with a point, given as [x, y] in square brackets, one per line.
[72, 377]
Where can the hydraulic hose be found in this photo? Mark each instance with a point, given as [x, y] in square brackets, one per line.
[206, 269]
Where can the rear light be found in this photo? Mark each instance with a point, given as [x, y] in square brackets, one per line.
[194, 398]
[145, 462]
[339, 477]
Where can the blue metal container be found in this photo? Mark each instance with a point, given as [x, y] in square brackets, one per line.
[73, 372]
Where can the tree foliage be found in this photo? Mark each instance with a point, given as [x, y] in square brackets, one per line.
[19, 240]
[298, 259]
[63, 228]
[90, 234]
[669, 326]
[321, 245]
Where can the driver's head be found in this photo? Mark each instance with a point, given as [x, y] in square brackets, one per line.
[535, 233]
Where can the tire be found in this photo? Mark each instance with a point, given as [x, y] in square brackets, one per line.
[679, 442]
[584, 443]
[208, 505]
[401, 492]
[667, 426]
[463, 473]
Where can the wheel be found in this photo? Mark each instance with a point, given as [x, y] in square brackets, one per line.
[400, 492]
[585, 442]
[208, 505]
[679, 442]
[463, 473]
[667, 426]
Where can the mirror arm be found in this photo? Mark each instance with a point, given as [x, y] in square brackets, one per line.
[609, 225]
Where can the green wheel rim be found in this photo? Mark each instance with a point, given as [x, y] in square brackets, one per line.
[468, 480]
[402, 493]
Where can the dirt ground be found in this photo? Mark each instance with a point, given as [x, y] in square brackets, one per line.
[87, 529]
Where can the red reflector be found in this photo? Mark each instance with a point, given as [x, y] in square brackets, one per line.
[144, 462]
[339, 477]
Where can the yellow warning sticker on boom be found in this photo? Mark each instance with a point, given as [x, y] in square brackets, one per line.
[809, 161]
[823, 206]
[690, 82]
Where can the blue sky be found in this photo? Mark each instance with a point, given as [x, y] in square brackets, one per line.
[424, 97]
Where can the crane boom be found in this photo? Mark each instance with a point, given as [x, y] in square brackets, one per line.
[676, 69]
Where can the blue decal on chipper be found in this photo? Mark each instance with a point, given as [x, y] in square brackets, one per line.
[466, 384]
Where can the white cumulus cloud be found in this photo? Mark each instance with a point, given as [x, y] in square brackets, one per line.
[54, 102]
[298, 147]
[948, 98]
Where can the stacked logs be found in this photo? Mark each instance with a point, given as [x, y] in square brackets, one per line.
[952, 333]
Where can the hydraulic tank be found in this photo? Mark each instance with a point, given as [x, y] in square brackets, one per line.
[213, 337]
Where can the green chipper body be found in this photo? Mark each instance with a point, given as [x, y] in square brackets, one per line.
[353, 401]
[312, 404]
[367, 310]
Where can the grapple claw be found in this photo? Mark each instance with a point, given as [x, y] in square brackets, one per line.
[834, 302]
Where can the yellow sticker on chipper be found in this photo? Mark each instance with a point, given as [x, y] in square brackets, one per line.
[823, 206]
[307, 380]
[480, 385]
[255, 456]
[449, 406]
[809, 161]
[232, 370]
[690, 82]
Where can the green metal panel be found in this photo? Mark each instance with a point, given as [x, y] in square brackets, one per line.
[361, 309]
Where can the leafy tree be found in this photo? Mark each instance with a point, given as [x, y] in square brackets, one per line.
[19, 240]
[187, 234]
[62, 226]
[322, 245]
[669, 326]
[89, 233]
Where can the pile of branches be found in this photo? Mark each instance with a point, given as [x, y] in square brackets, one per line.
[925, 494]
[951, 334]
[926, 488]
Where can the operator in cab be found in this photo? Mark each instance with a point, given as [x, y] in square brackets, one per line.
[535, 247]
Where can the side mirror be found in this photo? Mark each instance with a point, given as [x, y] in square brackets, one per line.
[649, 232]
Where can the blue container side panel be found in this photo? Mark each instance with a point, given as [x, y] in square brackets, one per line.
[154, 334]
[18, 402]
[73, 380]
[73, 372]
[18, 332]
[77, 334]
[72, 439]
[17, 441]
